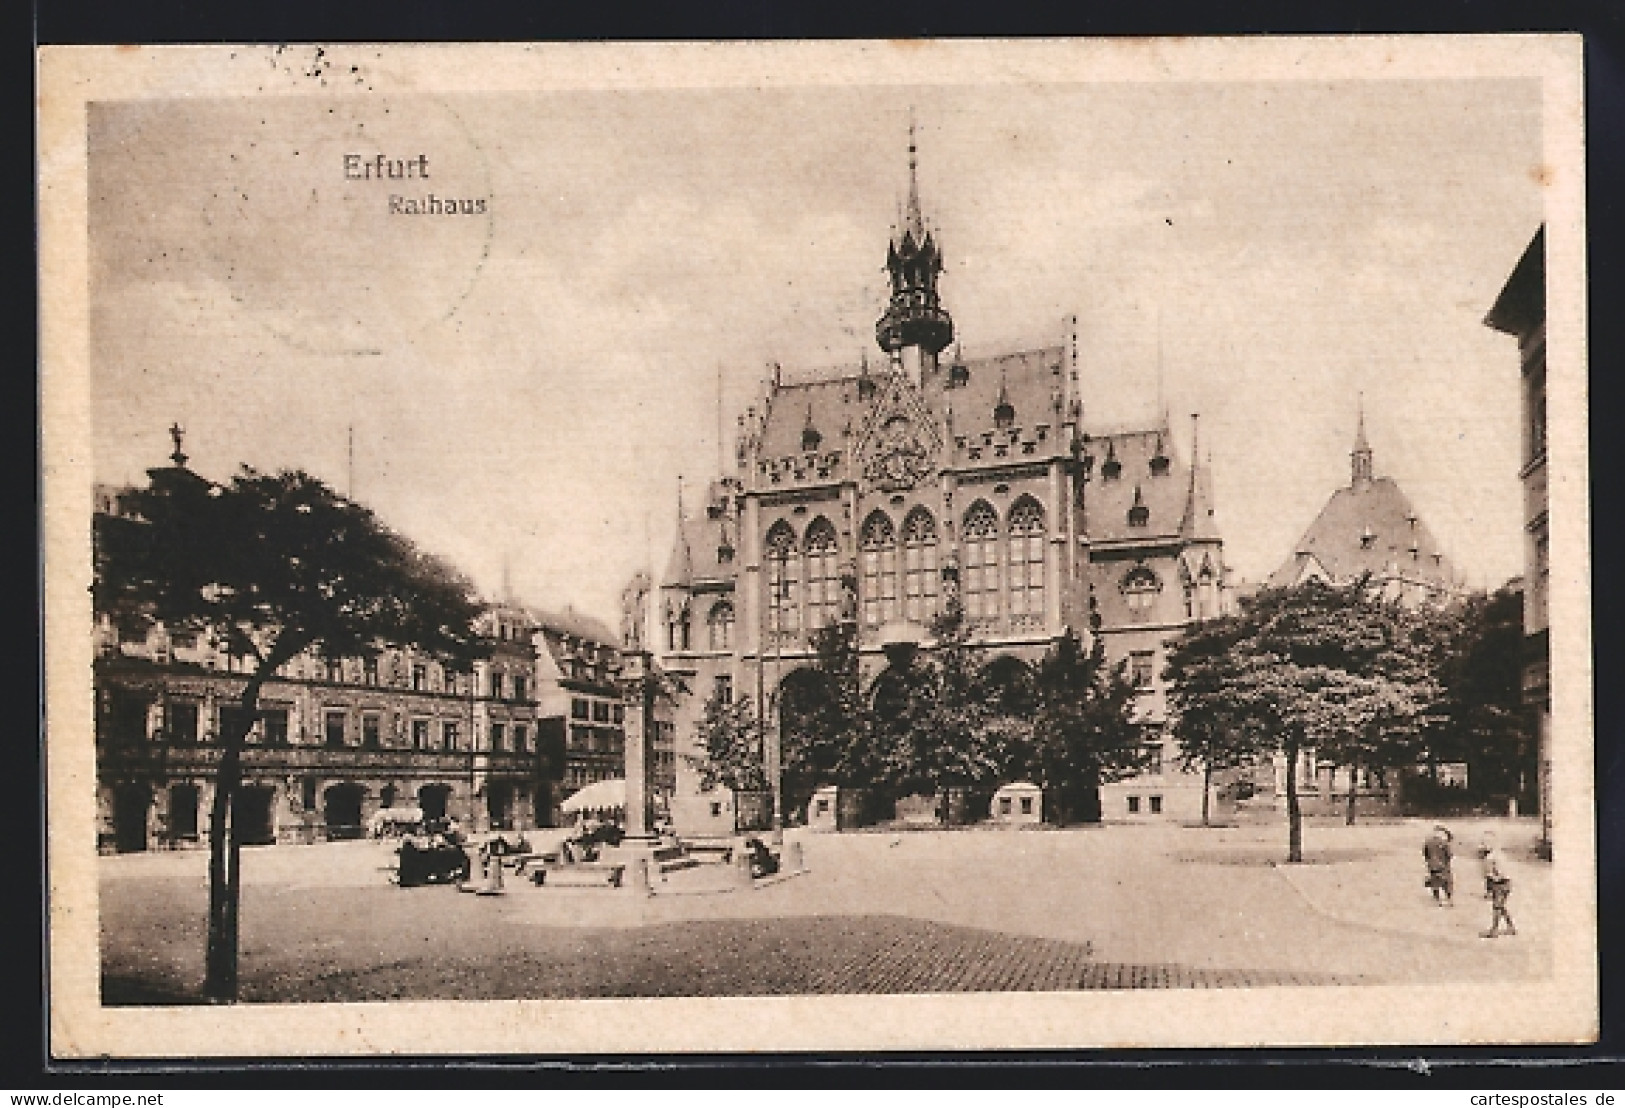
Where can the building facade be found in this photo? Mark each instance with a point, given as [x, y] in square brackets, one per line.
[336, 739]
[1520, 311]
[874, 492]
[581, 675]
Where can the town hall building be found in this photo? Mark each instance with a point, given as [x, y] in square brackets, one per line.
[873, 492]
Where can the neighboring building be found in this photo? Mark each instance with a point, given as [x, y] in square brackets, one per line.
[581, 675]
[1520, 311]
[1369, 529]
[875, 492]
[336, 740]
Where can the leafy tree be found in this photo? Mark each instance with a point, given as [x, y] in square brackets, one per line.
[731, 738]
[827, 730]
[1481, 717]
[1316, 666]
[273, 565]
[1084, 731]
[947, 733]
[1210, 733]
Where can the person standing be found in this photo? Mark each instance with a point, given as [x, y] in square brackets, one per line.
[1497, 886]
[1436, 852]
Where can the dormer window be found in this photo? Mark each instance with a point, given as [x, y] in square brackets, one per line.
[1004, 414]
[725, 553]
[1159, 460]
[1368, 539]
[810, 438]
[1111, 468]
[1138, 515]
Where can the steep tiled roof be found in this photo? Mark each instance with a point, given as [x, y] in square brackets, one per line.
[1030, 380]
[1368, 527]
[1107, 501]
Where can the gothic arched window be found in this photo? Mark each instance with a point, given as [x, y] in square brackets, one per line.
[783, 580]
[920, 565]
[720, 625]
[1140, 588]
[981, 533]
[879, 541]
[1027, 559]
[823, 578]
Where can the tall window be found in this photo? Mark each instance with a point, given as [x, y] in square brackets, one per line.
[981, 533]
[498, 736]
[823, 578]
[1140, 589]
[420, 734]
[783, 580]
[720, 625]
[879, 541]
[333, 728]
[448, 733]
[920, 565]
[1027, 560]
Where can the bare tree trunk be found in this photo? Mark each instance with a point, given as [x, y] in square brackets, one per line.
[1354, 787]
[220, 959]
[225, 858]
[1294, 814]
[1207, 787]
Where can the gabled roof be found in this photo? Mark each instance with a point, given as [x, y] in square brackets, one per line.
[1368, 527]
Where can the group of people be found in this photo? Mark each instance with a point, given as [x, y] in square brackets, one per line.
[1437, 852]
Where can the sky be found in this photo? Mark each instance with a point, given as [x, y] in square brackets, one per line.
[523, 386]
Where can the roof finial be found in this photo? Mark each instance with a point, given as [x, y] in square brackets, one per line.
[177, 432]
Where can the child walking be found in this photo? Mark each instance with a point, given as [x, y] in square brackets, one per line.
[1436, 853]
[1497, 886]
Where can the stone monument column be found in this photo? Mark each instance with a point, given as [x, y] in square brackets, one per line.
[636, 671]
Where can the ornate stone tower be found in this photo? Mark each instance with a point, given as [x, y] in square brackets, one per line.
[915, 328]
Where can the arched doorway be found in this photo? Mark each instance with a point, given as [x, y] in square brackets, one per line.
[131, 803]
[341, 808]
[183, 803]
[432, 799]
[252, 815]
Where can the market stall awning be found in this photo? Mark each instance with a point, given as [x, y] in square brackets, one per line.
[600, 796]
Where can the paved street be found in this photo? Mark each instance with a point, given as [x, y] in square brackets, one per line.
[969, 910]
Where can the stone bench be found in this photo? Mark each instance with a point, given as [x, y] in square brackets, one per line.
[580, 875]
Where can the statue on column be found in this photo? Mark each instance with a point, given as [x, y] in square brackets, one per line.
[634, 605]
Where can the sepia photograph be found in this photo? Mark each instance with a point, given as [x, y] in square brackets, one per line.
[816, 546]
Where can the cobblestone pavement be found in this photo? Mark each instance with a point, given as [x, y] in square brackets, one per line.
[1102, 908]
[817, 955]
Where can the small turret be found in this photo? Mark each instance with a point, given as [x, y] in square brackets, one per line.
[914, 319]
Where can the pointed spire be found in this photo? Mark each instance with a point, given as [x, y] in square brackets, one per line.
[1198, 522]
[915, 223]
[1360, 456]
[680, 567]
